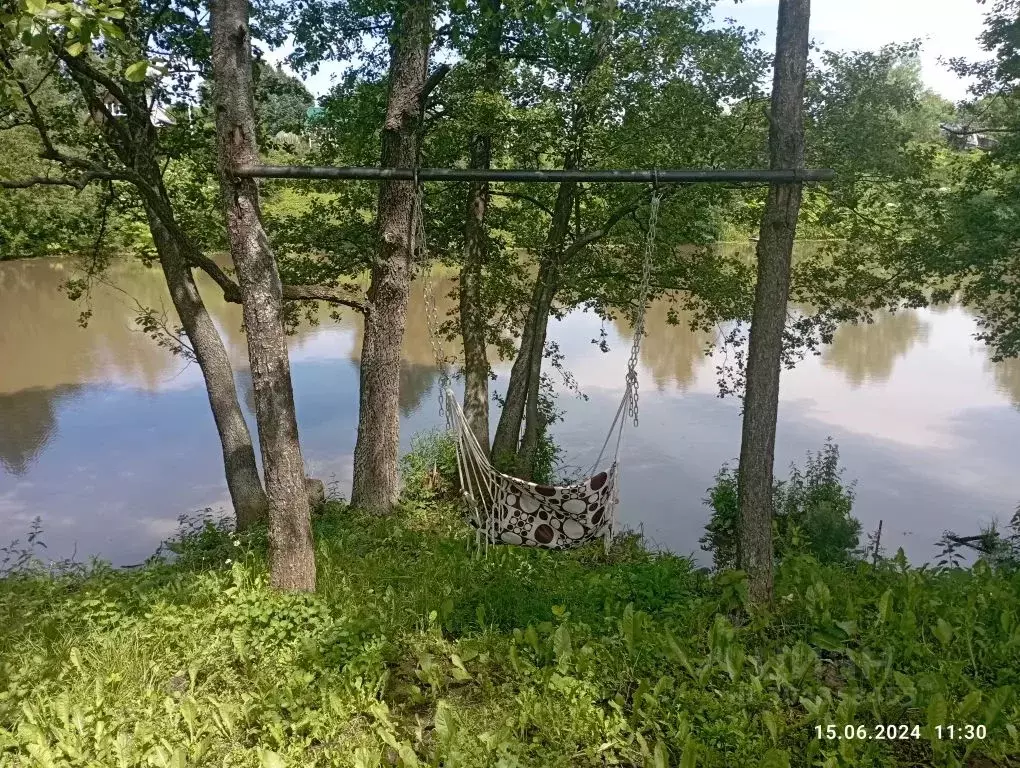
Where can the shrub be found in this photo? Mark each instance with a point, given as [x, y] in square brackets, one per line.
[812, 513]
[429, 471]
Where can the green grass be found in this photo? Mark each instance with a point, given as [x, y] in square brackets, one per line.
[416, 650]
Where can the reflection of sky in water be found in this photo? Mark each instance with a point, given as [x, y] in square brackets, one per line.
[108, 439]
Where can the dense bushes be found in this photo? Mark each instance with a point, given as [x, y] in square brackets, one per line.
[812, 513]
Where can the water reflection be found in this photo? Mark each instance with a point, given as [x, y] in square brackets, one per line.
[43, 345]
[866, 352]
[99, 425]
[1007, 378]
[48, 357]
[29, 423]
[672, 352]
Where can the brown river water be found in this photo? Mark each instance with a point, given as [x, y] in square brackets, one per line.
[108, 438]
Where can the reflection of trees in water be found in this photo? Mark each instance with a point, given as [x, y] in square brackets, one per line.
[673, 354]
[43, 344]
[29, 421]
[415, 382]
[246, 390]
[1007, 378]
[868, 351]
[418, 371]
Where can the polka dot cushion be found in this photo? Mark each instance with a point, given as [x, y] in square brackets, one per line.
[553, 517]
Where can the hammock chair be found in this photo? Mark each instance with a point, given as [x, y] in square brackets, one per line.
[508, 510]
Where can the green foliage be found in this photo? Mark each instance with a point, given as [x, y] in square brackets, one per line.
[429, 470]
[812, 513]
[42, 220]
[414, 651]
[281, 101]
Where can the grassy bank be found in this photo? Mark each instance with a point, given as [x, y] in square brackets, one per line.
[416, 652]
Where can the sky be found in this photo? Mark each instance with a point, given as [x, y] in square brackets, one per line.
[947, 28]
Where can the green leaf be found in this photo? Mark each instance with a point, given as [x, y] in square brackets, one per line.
[968, 706]
[828, 640]
[446, 725]
[561, 644]
[75, 49]
[136, 72]
[775, 758]
[690, 755]
[884, 606]
[407, 755]
[35, 7]
[111, 30]
[943, 632]
[772, 723]
[660, 758]
[938, 711]
[271, 759]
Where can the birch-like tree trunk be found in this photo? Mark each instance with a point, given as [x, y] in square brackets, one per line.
[375, 487]
[292, 552]
[765, 345]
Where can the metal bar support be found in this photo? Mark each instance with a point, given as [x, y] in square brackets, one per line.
[666, 176]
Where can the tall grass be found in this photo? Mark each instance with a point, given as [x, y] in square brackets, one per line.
[416, 650]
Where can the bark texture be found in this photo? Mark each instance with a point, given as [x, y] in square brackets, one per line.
[375, 486]
[243, 482]
[765, 345]
[292, 553]
[473, 316]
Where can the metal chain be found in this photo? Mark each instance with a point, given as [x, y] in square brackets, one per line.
[419, 249]
[639, 315]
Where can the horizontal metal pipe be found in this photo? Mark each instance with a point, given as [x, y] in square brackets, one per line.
[666, 176]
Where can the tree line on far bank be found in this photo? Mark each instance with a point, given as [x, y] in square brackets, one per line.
[132, 116]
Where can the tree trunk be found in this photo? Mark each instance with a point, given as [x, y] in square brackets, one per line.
[375, 487]
[765, 345]
[134, 140]
[291, 549]
[243, 482]
[533, 423]
[508, 430]
[526, 372]
[473, 317]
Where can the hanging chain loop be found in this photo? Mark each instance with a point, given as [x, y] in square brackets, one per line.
[639, 313]
[419, 250]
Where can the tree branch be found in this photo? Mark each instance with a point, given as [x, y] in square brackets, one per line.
[58, 181]
[82, 67]
[324, 293]
[307, 292]
[433, 81]
[595, 235]
[34, 116]
[521, 196]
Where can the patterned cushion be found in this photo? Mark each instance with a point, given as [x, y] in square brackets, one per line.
[553, 517]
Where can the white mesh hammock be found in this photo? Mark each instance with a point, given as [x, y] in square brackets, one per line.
[508, 510]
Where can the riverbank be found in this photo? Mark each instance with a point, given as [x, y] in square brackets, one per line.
[415, 651]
